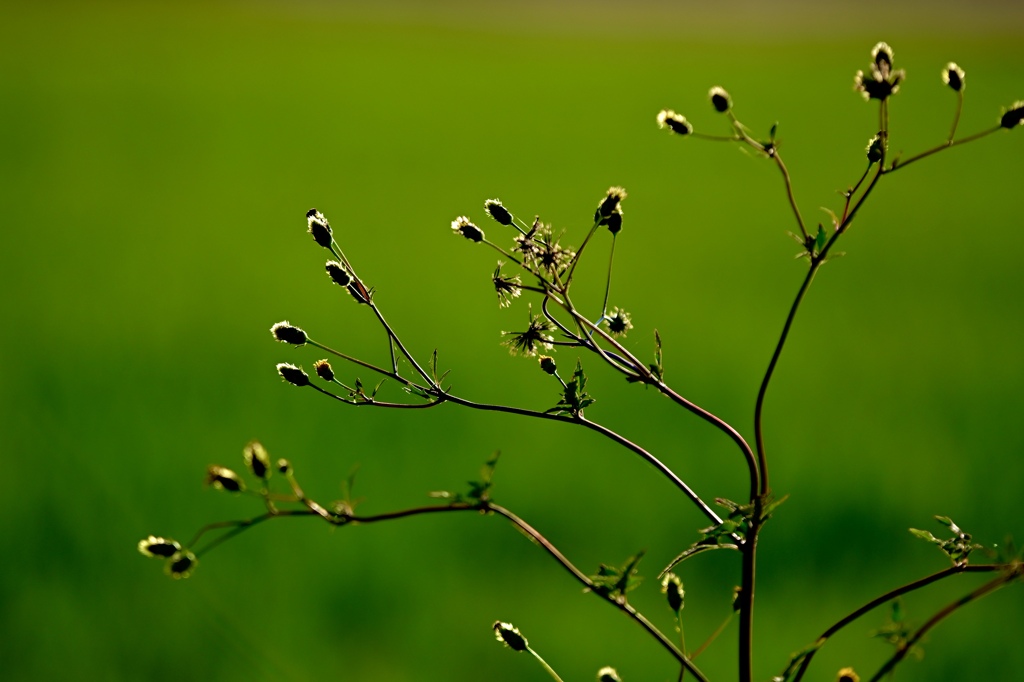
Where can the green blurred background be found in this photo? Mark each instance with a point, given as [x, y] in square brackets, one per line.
[155, 164]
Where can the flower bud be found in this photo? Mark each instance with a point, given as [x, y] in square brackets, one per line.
[338, 274]
[611, 201]
[284, 466]
[181, 565]
[319, 228]
[223, 478]
[467, 229]
[547, 364]
[292, 374]
[674, 122]
[158, 547]
[720, 99]
[1013, 116]
[324, 370]
[672, 588]
[875, 149]
[953, 76]
[510, 636]
[608, 674]
[498, 212]
[257, 459]
[286, 332]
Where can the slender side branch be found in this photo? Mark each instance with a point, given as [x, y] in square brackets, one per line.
[942, 614]
[886, 598]
[934, 150]
[789, 193]
[483, 507]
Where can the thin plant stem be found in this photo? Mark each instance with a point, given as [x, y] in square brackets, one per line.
[886, 598]
[682, 642]
[401, 347]
[746, 597]
[608, 279]
[544, 664]
[934, 150]
[789, 192]
[579, 252]
[713, 636]
[956, 116]
[363, 363]
[444, 396]
[942, 614]
[483, 506]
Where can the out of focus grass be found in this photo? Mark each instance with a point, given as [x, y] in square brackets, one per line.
[155, 164]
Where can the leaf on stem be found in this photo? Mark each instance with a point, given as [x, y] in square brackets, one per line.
[614, 582]
[575, 399]
[958, 548]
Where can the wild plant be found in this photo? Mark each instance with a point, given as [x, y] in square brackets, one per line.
[536, 269]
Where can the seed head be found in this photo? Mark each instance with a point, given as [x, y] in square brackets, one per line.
[292, 374]
[847, 675]
[506, 287]
[619, 322]
[720, 99]
[498, 212]
[158, 547]
[510, 636]
[338, 273]
[1013, 116]
[223, 478]
[324, 370]
[608, 674]
[286, 332]
[467, 229]
[319, 228]
[257, 459]
[611, 201]
[953, 76]
[672, 588]
[674, 122]
[882, 81]
[181, 564]
[537, 335]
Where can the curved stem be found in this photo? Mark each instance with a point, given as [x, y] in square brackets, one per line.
[885, 598]
[721, 425]
[544, 664]
[608, 433]
[483, 506]
[401, 347]
[608, 279]
[942, 614]
[934, 150]
[789, 193]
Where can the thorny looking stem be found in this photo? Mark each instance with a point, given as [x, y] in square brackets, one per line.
[888, 597]
[344, 518]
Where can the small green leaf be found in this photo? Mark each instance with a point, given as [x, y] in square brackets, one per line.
[925, 535]
[821, 239]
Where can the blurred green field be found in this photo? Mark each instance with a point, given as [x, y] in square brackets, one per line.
[156, 161]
